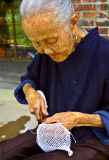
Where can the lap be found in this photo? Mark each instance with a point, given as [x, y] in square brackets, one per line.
[20, 147]
[24, 147]
[90, 150]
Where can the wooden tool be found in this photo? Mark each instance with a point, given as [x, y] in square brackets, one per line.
[41, 115]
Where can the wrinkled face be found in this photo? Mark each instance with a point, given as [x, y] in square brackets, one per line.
[48, 37]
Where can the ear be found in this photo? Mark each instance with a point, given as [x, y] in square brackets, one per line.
[74, 20]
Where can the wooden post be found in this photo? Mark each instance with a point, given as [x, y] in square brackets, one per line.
[14, 34]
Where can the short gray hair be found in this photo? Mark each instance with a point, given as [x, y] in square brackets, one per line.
[63, 8]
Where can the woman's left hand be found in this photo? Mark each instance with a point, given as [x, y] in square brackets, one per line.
[68, 119]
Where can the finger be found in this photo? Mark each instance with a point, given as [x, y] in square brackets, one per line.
[31, 108]
[58, 121]
[44, 109]
[37, 112]
[50, 120]
[43, 120]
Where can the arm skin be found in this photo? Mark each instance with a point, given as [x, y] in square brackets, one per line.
[35, 101]
[93, 120]
[74, 119]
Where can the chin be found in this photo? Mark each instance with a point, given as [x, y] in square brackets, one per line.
[63, 56]
[73, 50]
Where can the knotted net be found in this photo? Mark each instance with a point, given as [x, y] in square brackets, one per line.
[52, 137]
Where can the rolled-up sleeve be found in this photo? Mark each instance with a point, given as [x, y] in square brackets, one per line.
[31, 77]
[103, 133]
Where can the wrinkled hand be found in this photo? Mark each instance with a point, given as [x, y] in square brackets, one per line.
[36, 103]
[68, 119]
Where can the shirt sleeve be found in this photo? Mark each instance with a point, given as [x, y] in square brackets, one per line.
[103, 133]
[31, 77]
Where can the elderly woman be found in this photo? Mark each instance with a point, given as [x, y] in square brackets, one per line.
[72, 69]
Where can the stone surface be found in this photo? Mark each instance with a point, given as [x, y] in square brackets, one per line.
[15, 118]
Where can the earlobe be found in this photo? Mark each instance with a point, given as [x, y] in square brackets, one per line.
[75, 37]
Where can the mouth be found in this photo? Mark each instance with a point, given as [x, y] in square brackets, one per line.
[52, 55]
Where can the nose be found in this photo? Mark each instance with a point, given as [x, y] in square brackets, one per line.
[48, 51]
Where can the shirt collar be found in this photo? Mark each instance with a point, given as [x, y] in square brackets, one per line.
[90, 35]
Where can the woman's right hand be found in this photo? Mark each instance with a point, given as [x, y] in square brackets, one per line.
[35, 101]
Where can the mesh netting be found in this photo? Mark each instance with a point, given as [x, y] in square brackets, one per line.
[54, 136]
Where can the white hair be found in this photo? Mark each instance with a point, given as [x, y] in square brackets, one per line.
[62, 8]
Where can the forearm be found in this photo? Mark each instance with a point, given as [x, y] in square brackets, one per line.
[92, 120]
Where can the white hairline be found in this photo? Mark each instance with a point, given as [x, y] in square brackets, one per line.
[33, 7]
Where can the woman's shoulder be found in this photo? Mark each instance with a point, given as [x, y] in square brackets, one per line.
[103, 47]
[103, 53]
[104, 40]
[104, 44]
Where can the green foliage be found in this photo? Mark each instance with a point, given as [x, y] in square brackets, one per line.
[7, 28]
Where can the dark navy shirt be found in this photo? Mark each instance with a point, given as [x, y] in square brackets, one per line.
[80, 83]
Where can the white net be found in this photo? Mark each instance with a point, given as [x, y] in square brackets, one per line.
[55, 136]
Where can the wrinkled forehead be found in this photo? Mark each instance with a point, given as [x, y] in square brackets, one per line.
[40, 24]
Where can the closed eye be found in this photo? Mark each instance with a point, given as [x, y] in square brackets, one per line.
[51, 41]
[37, 44]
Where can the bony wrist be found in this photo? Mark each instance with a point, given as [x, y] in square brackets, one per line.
[79, 118]
[26, 88]
[29, 92]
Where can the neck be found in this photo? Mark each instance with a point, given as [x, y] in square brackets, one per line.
[80, 33]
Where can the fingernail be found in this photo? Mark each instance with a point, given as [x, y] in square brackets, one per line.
[43, 122]
[46, 114]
